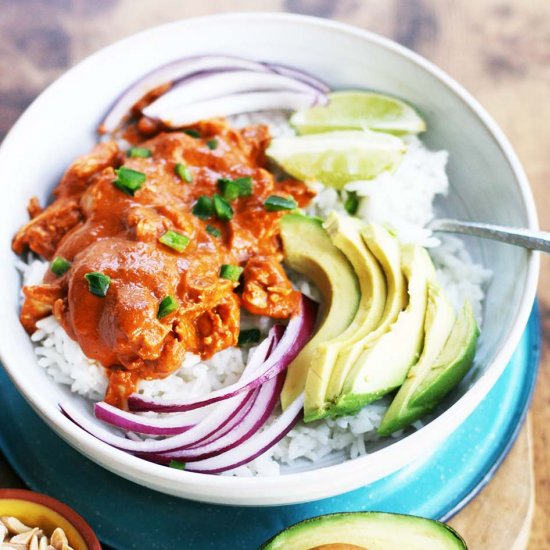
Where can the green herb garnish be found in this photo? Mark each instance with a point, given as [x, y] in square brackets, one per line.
[128, 180]
[245, 186]
[231, 189]
[177, 465]
[139, 153]
[222, 208]
[59, 266]
[193, 133]
[275, 203]
[214, 231]
[183, 172]
[231, 272]
[212, 144]
[167, 305]
[175, 240]
[228, 188]
[204, 207]
[98, 283]
[248, 337]
[352, 203]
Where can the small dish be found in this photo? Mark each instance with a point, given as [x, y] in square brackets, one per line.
[37, 510]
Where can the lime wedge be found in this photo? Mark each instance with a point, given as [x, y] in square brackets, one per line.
[336, 158]
[357, 111]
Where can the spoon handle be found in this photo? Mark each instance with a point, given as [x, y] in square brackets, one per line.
[527, 238]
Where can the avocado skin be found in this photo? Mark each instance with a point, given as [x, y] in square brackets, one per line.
[311, 414]
[373, 530]
[352, 403]
[452, 363]
[406, 418]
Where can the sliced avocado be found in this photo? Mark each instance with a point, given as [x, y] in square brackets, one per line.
[344, 233]
[454, 361]
[309, 250]
[387, 251]
[439, 321]
[383, 363]
[367, 530]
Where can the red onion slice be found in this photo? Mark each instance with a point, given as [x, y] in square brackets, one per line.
[216, 420]
[234, 104]
[300, 75]
[252, 421]
[253, 447]
[297, 333]
[171, 73]
[213, 85]
[210, 428]
[273, 338]
[175, 424]
[235, 421]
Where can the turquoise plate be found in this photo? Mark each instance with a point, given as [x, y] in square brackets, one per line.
[128, 516]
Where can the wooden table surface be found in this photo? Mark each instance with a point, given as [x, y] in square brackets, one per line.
[498, 49]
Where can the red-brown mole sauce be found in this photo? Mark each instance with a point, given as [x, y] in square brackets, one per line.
[98, 227]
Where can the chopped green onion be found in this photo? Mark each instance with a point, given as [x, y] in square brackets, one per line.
[59, 266]
[245, 186]
[247, 337]
[98, 283]
[128, 180]
[231, 189]
[204, 207]
[167, 305]
[222, 208]
[212, 144]
[274, 203]
[183, 172]
[192, 133]
[214, 231]
[175, 240]
[177, 464]
[139, 153]
[231, 272]
[352, 203]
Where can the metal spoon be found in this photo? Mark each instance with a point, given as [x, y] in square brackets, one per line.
[527, 238]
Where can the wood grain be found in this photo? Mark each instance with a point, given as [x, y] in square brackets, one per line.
[500, 517]
[498, 49]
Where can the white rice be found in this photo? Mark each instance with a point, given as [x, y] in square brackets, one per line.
[403, 202]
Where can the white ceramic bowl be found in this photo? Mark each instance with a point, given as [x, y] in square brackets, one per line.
[488, 184]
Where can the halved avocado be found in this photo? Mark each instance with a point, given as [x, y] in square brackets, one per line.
[309, 250]
[383, 363]
[454, 361]
[386, 249]
[439, 322]
[345, 234]
[367, 530]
